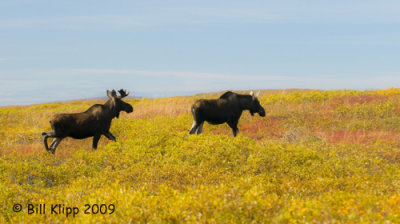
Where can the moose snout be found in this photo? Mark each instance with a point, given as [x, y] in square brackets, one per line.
[261, 113]
[129, 109]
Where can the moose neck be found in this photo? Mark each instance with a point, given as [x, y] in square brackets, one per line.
[245, 101]
[111, 110]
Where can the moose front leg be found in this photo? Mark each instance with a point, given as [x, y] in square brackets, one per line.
[233, 125]
[200, 128]
[96, 139]
[110, 136]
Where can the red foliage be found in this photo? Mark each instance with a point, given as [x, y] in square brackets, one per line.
[362, 99]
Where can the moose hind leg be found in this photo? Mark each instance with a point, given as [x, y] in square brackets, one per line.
[194, 127]
[54, 144]
[49, 133]
[46, 146]
[46, 136]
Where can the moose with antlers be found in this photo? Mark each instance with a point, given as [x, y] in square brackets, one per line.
[95, 121]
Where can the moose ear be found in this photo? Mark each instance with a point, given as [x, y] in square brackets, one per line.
[252, 95]
[111, 94]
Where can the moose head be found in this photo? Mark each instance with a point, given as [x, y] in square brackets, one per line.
[255, 106]
[116, 102]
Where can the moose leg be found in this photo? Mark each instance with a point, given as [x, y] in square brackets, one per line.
[233, 125]
[54, 144]
[45, 143]
[110, 136]
[200, 128]
[195, 125]
[46, 136]
[96, 139]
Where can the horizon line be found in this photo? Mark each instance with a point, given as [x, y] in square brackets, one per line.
[187, 94]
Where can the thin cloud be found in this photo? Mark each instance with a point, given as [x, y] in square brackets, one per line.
[225, 12]
[180, 74]
[74, 22]
[206, 82]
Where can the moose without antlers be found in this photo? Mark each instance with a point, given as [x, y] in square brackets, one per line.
[95, 121]
[228, 108]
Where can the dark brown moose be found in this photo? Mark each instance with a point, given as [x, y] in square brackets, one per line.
[95, 121]
[228, 108]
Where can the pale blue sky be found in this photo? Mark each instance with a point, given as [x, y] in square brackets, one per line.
[60, 50]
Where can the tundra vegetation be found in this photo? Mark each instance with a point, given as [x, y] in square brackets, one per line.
[317, 156]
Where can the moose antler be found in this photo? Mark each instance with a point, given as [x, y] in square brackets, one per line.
[123, 93]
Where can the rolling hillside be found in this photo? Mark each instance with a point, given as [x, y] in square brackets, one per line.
[317, 156]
